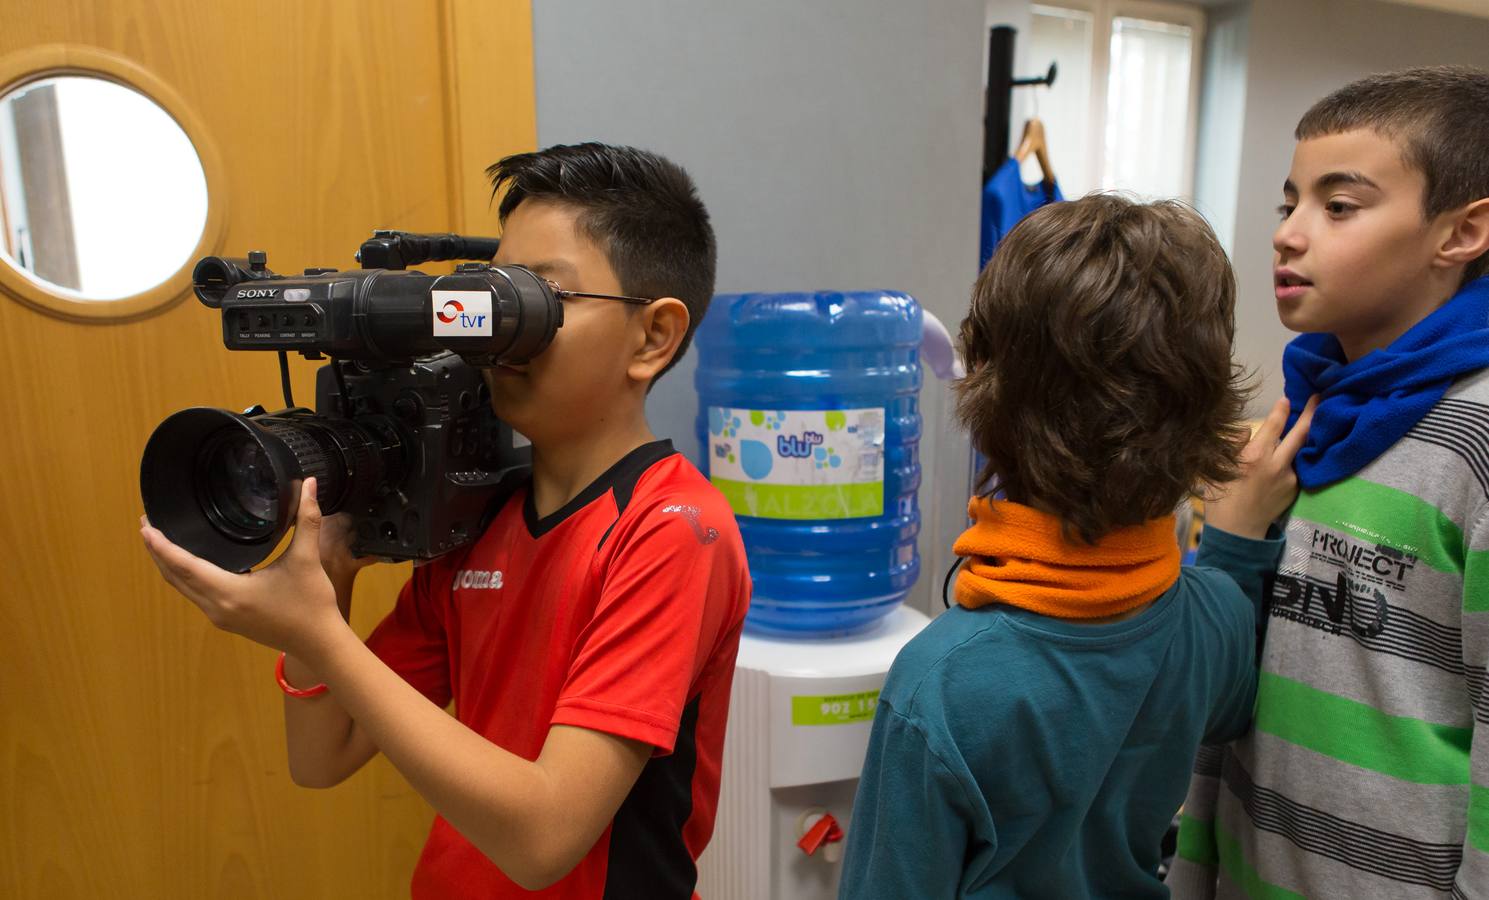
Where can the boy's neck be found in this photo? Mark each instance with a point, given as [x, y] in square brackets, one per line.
[562, 469]
[1438, 289]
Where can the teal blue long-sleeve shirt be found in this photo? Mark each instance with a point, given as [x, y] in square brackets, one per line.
[1015, 755]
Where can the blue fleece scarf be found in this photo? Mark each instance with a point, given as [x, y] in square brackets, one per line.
[1369, 404]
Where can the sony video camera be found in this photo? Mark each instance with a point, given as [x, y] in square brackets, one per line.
[403, 436]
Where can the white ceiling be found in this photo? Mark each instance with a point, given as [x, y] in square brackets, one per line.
[1463, 7]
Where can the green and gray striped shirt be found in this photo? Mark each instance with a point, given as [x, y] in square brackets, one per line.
[1366, 772]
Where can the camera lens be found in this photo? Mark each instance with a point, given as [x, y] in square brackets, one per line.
[219, 485]
[236, 484]
[243, 475]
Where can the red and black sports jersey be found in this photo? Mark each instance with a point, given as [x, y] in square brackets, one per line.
[621, 613]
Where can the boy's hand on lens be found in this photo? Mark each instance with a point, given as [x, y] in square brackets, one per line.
[288, 605]
[1266, 484]
[335, 548]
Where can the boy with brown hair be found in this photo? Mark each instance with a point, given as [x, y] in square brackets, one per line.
[1367, 772]
[1032, 741]
[588, 636]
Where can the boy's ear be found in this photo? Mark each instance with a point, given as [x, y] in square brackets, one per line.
[1469, 238]
[663, 323]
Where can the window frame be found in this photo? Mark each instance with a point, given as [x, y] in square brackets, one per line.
[58, 60]
[1103, 13]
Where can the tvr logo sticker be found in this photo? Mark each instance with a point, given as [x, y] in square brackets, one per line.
[461, 313]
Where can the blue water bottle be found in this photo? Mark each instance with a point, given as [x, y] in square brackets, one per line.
[810, 426]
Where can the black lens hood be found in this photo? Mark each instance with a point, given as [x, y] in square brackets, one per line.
[170, 485]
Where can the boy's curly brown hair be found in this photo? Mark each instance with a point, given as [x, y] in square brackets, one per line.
[1100, 383]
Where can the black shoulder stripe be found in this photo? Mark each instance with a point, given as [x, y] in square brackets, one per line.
[624, 483]
[606, 536]
[636, 464]
[620, 477]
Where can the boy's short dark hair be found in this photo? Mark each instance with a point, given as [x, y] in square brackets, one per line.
[1439, 115]
[642, 210]
[1100, 384]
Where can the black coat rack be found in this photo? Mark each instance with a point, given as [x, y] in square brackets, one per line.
[1000, 84]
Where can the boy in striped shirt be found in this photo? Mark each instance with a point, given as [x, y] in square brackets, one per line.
[1366, 772]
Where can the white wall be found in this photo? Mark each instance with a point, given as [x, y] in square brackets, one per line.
[837, 143]
[1222, 115]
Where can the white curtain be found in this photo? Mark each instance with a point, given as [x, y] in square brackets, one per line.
[1147, 113]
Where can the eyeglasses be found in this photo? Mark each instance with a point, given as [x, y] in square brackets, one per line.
[560, 293]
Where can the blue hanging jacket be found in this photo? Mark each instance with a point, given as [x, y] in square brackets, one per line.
[1006, 200]
[1367, 405]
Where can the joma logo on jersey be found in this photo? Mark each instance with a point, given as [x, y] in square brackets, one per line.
[706, 534]
[478, 579]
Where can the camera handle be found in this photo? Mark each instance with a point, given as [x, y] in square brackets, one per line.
[400, 249]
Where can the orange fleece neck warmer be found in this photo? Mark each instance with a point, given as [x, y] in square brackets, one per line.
[1018, 556]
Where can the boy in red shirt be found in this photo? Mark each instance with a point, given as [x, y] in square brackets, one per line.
[588, 636]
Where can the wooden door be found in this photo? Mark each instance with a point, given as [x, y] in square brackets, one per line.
[142, 752]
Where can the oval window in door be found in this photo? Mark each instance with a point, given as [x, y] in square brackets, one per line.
[102, 194]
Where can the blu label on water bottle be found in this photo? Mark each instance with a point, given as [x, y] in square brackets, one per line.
[798, 464]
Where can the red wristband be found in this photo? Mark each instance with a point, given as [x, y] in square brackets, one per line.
[291, 689]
